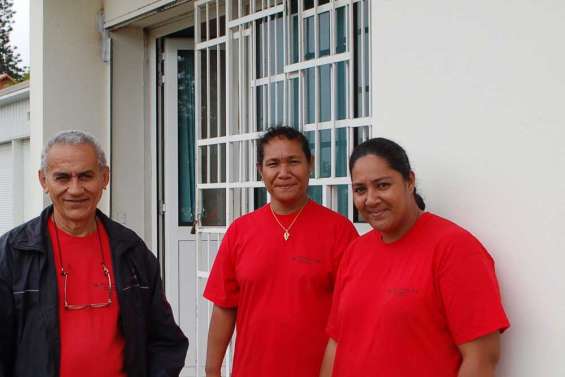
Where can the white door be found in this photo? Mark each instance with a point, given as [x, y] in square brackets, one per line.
[179, 190]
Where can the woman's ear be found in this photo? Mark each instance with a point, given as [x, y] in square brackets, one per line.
[411, 181]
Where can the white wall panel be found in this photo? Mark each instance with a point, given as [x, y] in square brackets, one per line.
[474, 90]
[6, 220]
[14, 120]
[29, 179]
[117, 11]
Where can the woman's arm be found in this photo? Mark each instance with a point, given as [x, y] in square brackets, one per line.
[221, 329]
[480, 356]
[328, 360]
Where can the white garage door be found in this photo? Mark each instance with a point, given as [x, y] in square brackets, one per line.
[6, 216]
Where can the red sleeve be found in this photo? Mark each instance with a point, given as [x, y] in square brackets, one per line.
[469, 289]
[345, 235]
[333, 328]
[222, 287]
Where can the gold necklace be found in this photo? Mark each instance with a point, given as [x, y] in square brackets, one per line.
[286, 234]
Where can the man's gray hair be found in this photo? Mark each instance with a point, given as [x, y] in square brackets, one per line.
[73, 137]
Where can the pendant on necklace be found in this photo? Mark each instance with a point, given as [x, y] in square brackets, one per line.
[286, 235]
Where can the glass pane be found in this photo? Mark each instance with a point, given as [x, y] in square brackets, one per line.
[324, 34]
[234, 9]
[325, 93]
[360, 134]
[213, 163]
[203, 96]
[213, 92]
[213, 207]
[341, 30]
[280, 44]
[310, 136]
[293, 6]
[280, 102]
[202, 11]
[325, 153]
[259, 61]
[309, 45]
[222, 163]
[308, 4]
[342, 203]
[212, 22]
[322, 2]
[222, 115]
[236, 127]
[294, 103]
[310, 80]
[366, 62]
[260, 108]
[204, 164]
[234, 158]
[341, 88]
[341, 152]
[315, 193]
[186, 138]
[272, 45]
[273, 106]
[358, 67]
[259, 197]
[294, 39]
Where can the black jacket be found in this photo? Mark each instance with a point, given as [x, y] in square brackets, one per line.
[29, 323]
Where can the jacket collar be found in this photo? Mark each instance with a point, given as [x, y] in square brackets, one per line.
[33, 235]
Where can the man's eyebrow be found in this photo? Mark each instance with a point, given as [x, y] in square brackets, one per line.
[64, 173]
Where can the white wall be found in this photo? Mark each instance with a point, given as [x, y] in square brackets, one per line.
[474, 90]
[14, 146]
[132, 202]
[69, 81]
[117, 11]
[14, 122]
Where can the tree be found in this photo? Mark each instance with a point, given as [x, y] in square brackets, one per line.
[9, 58]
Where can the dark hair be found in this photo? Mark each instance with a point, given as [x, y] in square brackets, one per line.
[288, 133]
[392, 153]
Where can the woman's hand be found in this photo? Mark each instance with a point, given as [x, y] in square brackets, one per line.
[328, 361]
[480, 356]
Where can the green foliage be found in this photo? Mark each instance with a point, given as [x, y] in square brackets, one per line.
[9, 58]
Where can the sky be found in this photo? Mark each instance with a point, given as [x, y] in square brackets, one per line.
[20, 34]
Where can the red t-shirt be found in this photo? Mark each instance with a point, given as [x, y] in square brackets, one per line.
[401, 309]
[91, 343]
[282, 289]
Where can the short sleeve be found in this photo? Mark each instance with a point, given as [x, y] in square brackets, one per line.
[222, 287]
[344, 236]
[469, 289]
[333, 328]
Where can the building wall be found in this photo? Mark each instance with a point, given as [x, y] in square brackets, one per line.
[117, 11]
[14, 151]
[70, 79]
[14, 121]
[474, 91]
[131, 151]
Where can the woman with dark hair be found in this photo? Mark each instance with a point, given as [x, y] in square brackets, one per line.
[274, 274]
[416, 296]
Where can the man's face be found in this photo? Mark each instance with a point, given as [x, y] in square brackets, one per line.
[285, 171]
[74, 181]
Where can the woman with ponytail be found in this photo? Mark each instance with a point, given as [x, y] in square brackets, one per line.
[416, 296]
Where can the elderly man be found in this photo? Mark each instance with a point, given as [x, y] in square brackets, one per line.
[81, 295]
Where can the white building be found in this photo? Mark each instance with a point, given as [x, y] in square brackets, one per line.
[15, 168]
[177, 91]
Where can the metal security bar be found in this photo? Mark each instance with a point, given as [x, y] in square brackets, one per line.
[264, 63]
